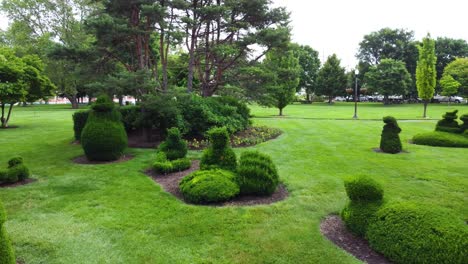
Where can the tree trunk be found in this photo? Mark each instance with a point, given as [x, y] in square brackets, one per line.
[330, 98]
[425, 108]
[2, 119]
[121, 103]
[281, 111]
[386, 100]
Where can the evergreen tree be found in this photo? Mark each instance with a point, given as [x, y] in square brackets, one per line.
[331, 80]
[426, 71]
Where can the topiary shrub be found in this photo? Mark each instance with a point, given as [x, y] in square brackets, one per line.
[104, 137]
[219, 154]
[390, 140]
[174, 146]
[408, 233]
[7, 255]
[441, 139]
[209, 186]
[164, 166]
[449, 123]
[15, 161]
[16, 171]
[257, 174]
[464, 126]
[79, 122]
[181, 164]
[366, 196]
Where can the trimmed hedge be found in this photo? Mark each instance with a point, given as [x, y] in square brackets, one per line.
[79, 122]
[104, 137]
[361, 189]
[7, 255]
[163, 165]
[209, 186]
[410, 233]
[390, 140]
[174, 146]
[219, 154]
[441, 139]
[449, 123]
[257, 174]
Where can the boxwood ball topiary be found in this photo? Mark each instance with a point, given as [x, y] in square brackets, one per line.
[174, 146]
[449, 123]
[209, 186]
[410, 233]
[7, 255]
[363, 188]
[390, 140]
[104, 137]
[257, 174]
[219, 154]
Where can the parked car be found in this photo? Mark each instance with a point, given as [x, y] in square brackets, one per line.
[454, 99]
[340, 99]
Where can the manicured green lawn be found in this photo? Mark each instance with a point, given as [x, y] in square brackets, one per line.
[115, 214]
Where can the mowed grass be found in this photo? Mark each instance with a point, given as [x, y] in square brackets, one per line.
[115, 214]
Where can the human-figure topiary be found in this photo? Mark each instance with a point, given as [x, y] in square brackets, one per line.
[257, 174]
[7, 255]
[365, 198]
[390, 140]
[219, 154]
[174, 146]
[449, 123]
[104, 137]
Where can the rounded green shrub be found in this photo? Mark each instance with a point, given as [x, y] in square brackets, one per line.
[408, 233]
[209, 186]
[163, 165]
[7, 255]
[390, 140]
[449, 123]
[79, 122]
[174, 146]
[15, 161]
[104, 137]
[441, 139]
[257, 174]
[363, 188]
[358, 215]
[19, 172]
[219, 154]
[3, 176]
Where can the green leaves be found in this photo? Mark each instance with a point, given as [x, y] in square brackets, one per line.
[426, 69]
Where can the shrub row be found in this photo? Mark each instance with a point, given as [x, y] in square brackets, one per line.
[449, 123]
[7, 255]
[441, 139]
[16, 171]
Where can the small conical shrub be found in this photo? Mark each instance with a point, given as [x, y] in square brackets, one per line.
[174, 146]
[449, 123]
[7, 255]
[104, 137]
[390, 140]
[219, 154]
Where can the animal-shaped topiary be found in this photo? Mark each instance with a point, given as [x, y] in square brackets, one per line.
[174, 146]
[390, 140]
[449, 123]
[219, 154]
[104, 137]
[7, 255]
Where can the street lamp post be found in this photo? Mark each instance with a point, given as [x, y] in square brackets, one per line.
[356, 72]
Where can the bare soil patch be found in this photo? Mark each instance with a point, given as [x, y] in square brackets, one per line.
[84, 160]
[17, 184]
[334, 229]
[170, 183]
[378, 150]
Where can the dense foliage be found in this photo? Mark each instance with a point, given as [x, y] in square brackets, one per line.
[365, 195]
[390, 140]
[426, 73]
[15, 172]
[331, 80]
[79, 122]
[174, 146]
[441, 139]
[7, 255]
[449, 123]
[410, 233]
[219, 154]
[104, 137]
[163, 165]
[209, 186]
[257, 174]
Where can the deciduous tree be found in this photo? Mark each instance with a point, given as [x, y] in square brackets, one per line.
[426, 71]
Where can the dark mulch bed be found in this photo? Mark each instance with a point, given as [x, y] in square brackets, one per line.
[378, 150]
[9, 127]
[84, 161]
[170, 183]
[334, 229]
[16, 184]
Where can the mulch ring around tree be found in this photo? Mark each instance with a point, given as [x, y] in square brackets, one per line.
[333, 228]
[84, 160]
[17, 184]
[378, 150]
[170, 183]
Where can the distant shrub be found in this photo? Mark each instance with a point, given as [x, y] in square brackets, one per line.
[7, 255]
[79, 122]
[408, 233]
[161, 112]
[15, 161]
[449, 123]
[209, 186]
[441, 139]
[390, 140]
[464, 126]
[104, 137]
[219, 154]
[174, 146]
[363, 189]
[366, 197]
[257, 174]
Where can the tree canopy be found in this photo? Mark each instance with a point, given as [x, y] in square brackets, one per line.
[331, 80]
[426, 71]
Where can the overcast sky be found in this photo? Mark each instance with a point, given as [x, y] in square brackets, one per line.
[337, 26]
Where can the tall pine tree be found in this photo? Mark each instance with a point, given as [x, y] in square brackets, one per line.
[426, 71]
